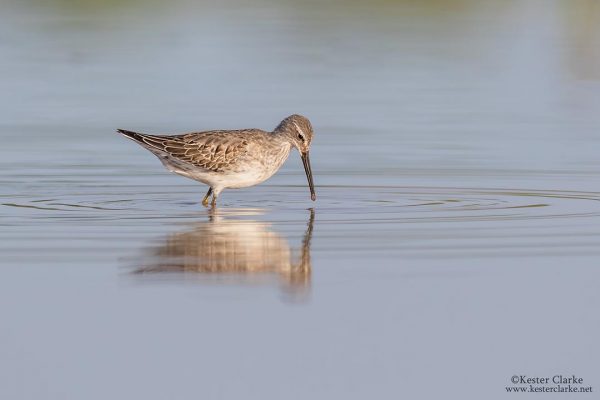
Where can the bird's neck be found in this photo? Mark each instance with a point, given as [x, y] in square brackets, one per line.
[283, 138]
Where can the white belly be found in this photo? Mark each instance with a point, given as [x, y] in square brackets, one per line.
[253, 173]
[233, 180]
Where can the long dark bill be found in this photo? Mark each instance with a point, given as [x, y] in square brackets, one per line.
[306, 162]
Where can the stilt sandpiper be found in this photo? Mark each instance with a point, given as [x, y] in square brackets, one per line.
[231, 159]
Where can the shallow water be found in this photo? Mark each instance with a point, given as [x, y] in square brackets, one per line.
[454, 241]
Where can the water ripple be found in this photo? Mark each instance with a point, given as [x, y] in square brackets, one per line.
[341, 204]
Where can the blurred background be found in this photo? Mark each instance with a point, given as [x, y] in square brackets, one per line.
[456, 85]
[456, 162]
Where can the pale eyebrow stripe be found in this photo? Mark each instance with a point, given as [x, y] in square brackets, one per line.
[297, 127]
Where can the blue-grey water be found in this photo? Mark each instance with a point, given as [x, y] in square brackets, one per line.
[455, 241]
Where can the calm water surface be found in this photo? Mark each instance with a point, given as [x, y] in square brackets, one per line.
[454, 243]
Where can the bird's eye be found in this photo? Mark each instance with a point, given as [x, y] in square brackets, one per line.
[300, 137]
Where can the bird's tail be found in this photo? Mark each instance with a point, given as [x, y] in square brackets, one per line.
[131, 135]
[153, 143]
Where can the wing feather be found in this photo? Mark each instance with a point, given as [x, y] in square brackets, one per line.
[212, 150]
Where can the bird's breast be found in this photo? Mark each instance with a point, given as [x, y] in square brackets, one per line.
[258, 168]
[255, 167]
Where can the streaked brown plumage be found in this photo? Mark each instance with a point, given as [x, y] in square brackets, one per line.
[231, 158]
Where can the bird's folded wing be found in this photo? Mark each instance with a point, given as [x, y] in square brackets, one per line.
[213, 151]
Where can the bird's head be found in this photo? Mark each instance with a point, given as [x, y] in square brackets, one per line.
[299, 133]
[298, 130]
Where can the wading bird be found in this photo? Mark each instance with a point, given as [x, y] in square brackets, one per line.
[232, 159]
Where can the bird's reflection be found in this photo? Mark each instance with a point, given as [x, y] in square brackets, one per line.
[240, 249]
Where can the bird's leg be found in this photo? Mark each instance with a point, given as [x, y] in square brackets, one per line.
[205, 199]
[215, 195]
